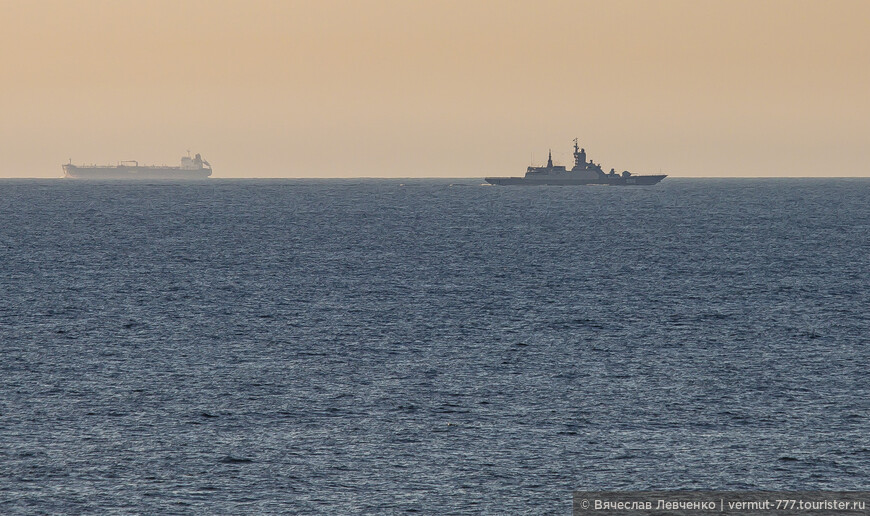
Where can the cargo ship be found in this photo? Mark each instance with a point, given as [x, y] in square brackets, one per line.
[191, 168]
[582, 173]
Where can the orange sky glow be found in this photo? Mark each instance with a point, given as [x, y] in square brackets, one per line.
[469, 88]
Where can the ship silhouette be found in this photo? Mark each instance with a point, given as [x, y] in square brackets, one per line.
[582, 173]
[191, 168]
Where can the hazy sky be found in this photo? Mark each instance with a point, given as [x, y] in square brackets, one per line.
[437, 88]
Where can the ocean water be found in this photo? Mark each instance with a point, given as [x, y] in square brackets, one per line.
[380, 347]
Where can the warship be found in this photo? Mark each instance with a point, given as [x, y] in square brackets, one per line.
[191, 168]
[583, 173]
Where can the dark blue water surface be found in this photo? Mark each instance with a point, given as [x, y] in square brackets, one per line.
[345, 347]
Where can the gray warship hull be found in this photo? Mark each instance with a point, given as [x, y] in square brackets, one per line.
[556, 181]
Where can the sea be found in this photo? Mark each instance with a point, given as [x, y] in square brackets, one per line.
[375, 346]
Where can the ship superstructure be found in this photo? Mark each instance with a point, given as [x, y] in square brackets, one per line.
[582, 173]
[191, 168]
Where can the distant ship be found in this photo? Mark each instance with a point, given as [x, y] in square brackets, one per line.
[583, 173]
[191, 168]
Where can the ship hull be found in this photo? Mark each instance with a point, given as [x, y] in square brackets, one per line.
[564, 181]
[135, 173]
